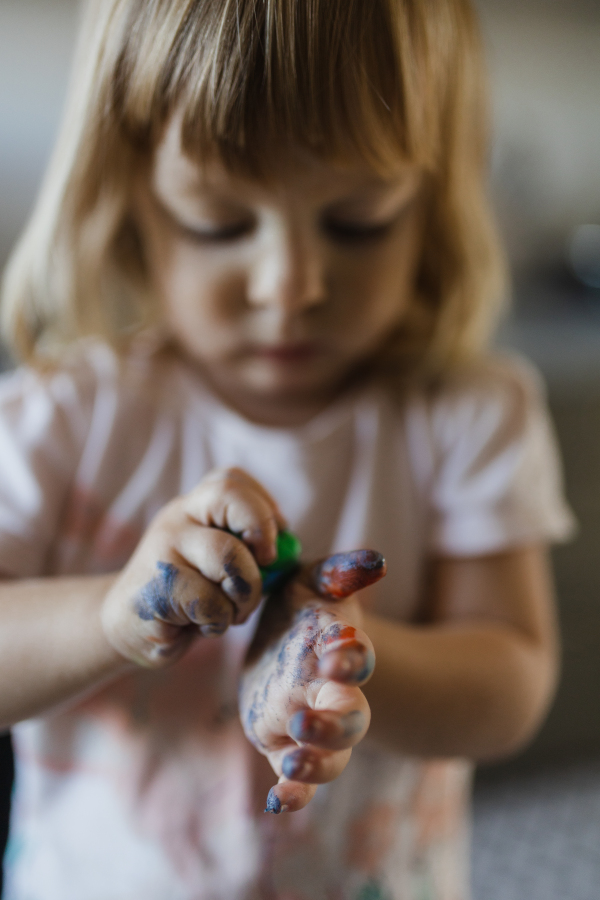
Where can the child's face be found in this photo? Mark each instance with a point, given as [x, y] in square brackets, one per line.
[278, 291]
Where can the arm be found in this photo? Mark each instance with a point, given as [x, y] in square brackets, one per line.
[477, 678]
[52, 644]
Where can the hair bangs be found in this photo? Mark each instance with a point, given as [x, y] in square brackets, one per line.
[381, 82]
[340, 78]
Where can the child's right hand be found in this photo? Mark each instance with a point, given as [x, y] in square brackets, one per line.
[188, 575]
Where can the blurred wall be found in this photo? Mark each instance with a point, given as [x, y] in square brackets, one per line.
[544, 60]
[36, 41]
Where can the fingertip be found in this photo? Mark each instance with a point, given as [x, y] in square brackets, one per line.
[274, 804]
[242, 582]
[353, 665]
[263, 544]
[328, 729]
[289, 796]
[305, 726]
[213, 630]
[282, 523]
[343, 574]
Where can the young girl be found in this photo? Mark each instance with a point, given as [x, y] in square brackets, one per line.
[256, 290]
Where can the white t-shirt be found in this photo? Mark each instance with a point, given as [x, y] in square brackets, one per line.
[147, 789]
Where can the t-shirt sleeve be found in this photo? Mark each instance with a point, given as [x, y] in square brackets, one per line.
[40, 436]
[497, 479]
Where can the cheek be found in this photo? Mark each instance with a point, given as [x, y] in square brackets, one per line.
[196, 292]
[375, 287]
[371, 299]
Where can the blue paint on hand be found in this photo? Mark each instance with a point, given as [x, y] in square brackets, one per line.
[294, 765]
[352, 723]
[241, 587]
[303, 726]
[156, 598]
[368, 668]
[273, 803]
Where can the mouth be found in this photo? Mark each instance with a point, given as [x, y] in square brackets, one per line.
[297, 352]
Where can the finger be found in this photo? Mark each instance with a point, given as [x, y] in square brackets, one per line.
[350, 666]
[345, 654]
[311, 765]
[289, 796]
[180, 596]
[343, 574]
[233, 500]
[225, 560]
[327, 729]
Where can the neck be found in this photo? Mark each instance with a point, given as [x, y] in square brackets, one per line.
[287, 411]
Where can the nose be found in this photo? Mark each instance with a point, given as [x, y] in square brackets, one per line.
[288, 271]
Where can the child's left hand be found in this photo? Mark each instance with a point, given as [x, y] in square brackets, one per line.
[300, 698]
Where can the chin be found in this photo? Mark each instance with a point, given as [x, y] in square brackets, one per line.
[278, 382]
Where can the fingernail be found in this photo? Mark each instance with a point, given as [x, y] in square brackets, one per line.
[349, 664]
[274, 804]
[309, 726]
[352, 723]
[213, 630]
[295, 766]
[235, 583]
[305, 726]
[369, 665]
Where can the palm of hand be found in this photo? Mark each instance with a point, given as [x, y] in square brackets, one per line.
[300, 700]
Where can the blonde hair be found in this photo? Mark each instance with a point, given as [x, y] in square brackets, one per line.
[382, 81]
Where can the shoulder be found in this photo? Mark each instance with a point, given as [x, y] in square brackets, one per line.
[503, 379]
[91, 383]
[494, 475]
[500, 394]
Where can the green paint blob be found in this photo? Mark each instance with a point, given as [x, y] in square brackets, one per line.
[289, 550]
[372, 891]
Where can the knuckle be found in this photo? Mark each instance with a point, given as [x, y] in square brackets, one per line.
[226, 475]
[163, 536]
[167, 515]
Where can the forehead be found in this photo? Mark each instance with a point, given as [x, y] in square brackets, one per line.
[293, 171]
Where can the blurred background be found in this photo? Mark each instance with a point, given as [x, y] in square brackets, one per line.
[537, 818]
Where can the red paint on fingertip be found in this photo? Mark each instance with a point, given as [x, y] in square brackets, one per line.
[333, 636]
[345, 573]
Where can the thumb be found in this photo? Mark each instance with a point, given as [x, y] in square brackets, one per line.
[343, 574]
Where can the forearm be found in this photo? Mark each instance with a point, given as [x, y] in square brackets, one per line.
[464, 690]
[52, 645]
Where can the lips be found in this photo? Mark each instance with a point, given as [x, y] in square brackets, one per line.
[287, 353]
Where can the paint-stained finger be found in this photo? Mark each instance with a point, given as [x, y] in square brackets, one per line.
[289, 796]
[346, 654]
[231, 499]
[343, 574]
[181, 596]
[327, 729]
[348, 665]
[226, 561]
[311, 765]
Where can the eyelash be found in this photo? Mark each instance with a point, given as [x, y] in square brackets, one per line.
[340, 232]
[221, 235]
[354, 233]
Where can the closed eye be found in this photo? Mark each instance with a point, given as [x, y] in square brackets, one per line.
[226, 234]
[207, 234]
[356, 232]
